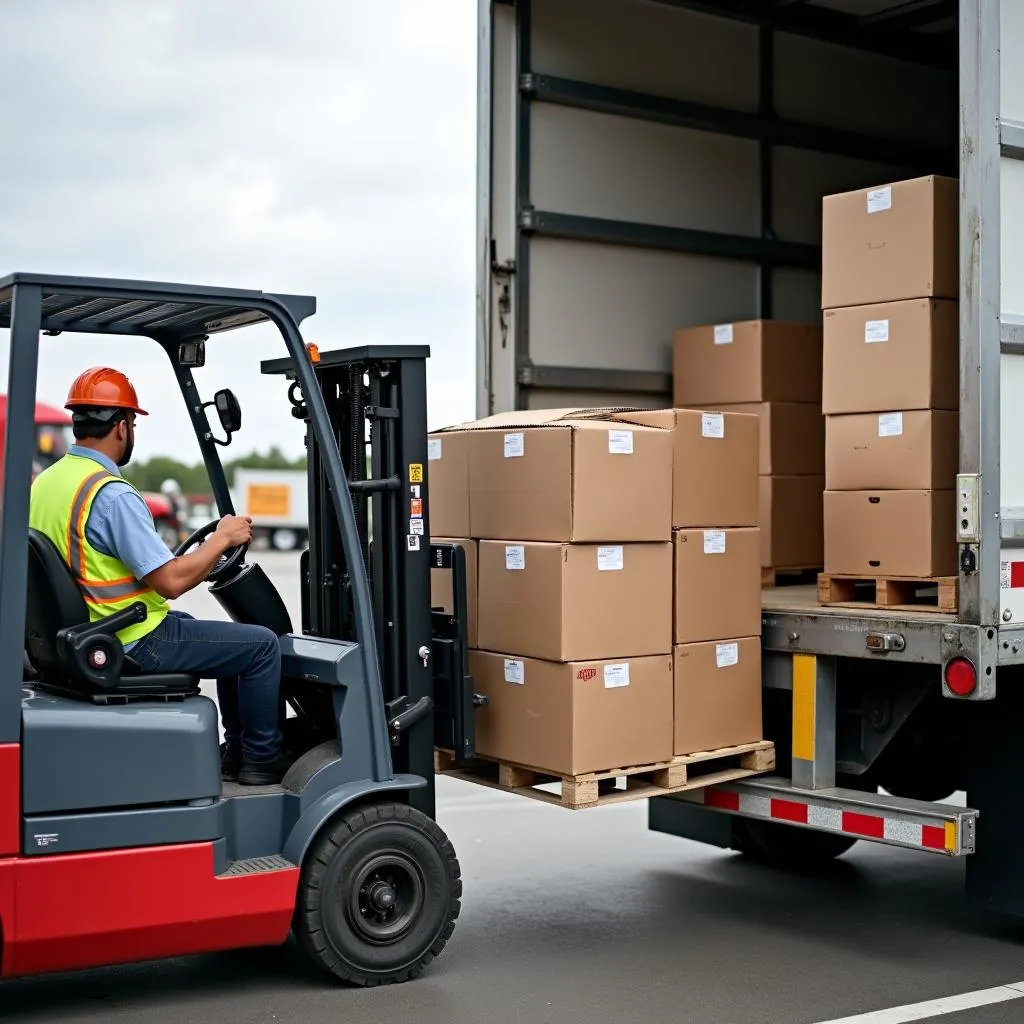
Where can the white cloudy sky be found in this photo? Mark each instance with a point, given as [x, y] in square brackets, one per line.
[322, 147]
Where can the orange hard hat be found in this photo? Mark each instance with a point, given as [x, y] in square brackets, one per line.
[103, 387]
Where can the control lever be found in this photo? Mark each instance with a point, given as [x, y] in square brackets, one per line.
[402, 715]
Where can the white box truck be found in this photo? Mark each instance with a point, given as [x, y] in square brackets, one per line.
[277, 501]
[645, 165]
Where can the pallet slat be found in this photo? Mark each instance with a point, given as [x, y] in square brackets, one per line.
[595, 789]
[896, 592]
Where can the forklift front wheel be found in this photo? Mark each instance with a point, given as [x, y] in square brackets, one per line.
[379, 895]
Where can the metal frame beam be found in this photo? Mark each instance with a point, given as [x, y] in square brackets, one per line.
[980, 268]
[546, 223]
[524, 41]
[22, 368]
[584, 378]
[763, 126]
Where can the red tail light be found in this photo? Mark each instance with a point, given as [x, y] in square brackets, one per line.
[961, 677]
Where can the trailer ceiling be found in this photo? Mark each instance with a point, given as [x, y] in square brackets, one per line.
[923, 31]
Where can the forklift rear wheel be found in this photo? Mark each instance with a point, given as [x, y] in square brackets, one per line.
[379, 895]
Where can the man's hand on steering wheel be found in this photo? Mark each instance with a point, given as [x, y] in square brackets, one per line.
[235, 530]
[234, 534]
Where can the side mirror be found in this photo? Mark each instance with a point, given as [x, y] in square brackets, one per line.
[229, 411]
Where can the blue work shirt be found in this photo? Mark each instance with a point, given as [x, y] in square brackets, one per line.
[120, 524]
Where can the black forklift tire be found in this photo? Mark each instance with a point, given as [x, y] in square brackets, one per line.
[379, 895]
[788, 846]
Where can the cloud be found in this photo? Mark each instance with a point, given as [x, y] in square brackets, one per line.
[321, 147]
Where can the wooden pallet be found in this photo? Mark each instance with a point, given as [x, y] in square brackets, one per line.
[596, 789]
[938, 594]
[788, 577]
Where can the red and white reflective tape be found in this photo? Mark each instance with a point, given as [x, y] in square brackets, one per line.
[1011, 575]
[941, 835]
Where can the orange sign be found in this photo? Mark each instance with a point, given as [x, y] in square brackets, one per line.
[269, 500]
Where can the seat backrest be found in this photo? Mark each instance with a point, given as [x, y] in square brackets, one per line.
[54, 603]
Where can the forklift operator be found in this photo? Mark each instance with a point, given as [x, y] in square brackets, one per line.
[103, 529]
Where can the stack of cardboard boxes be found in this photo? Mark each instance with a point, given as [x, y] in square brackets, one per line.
[773, 369]
[568, 518]
[717, 587]
[891, 379]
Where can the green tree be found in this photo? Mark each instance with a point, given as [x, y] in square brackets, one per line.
[148, 476]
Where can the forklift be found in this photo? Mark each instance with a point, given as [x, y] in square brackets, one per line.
[119, 842]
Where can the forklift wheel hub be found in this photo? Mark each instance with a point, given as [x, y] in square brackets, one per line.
[387, 897]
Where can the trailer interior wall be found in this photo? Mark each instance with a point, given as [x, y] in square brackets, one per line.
[633, 189]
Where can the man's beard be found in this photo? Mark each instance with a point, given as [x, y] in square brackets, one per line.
[126, 456]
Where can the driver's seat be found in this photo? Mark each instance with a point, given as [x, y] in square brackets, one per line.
[78, 658]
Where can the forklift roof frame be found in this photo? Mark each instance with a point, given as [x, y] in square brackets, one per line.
[168, 314]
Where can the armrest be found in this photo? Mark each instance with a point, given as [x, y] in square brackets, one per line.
[93, 652]
[107, 626]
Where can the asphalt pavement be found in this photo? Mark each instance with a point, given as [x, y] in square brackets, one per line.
[587, 916]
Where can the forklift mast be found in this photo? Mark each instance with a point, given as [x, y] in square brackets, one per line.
[375, 398]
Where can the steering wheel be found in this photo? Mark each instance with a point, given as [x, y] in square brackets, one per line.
[226, 564]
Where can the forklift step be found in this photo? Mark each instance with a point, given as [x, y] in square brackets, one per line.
[257, 865]
[640, 782]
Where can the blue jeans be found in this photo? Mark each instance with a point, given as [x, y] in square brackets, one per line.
[245, 661]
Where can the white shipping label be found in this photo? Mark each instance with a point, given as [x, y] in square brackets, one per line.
[876, 331]
[620, 442]
[890, 424]
[727, 654]
[434, 446]
[616, 675]
[515, 556]
[416, 527]
[880, 199]
[1004, 576]
[723, 334]
[515, 671]
[714, 542]
[609, 558]
[712, 424]
[515, 446]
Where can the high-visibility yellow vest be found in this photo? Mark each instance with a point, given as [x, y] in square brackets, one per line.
[62, 496]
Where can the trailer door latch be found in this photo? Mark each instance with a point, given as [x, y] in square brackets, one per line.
[882, 643]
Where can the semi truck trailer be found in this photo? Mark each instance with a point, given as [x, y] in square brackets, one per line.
[645, 165]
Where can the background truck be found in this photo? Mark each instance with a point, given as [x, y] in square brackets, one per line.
[277, 501]
[650, 164]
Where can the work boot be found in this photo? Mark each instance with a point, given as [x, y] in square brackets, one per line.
[265, 773]
[230, 763]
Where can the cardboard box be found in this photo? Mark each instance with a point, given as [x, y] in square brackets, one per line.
[896, 355]
[577, 717]
[441, 585]
[569, 480]
[792, 437]
[891, 242]
[448, 483]
[714, 471]
[718, 694]
[892, 450]
[791, 522]
[717, 584]
[752, 361]
[890, 533]
[575, 602]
